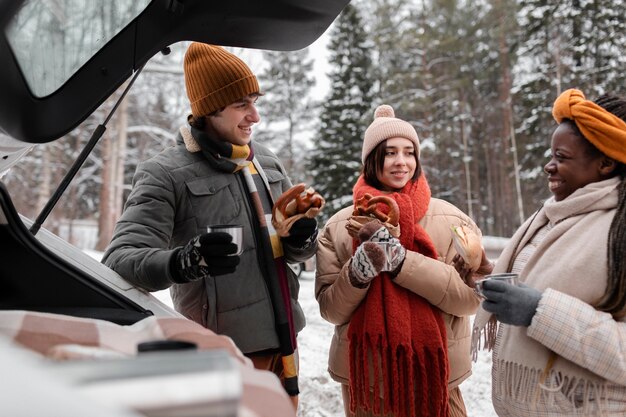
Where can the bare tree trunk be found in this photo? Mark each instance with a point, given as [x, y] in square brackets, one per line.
[71, 213]
[290, 153]
[507, 126]
[557, 65]
[491, 187]
[43, 191]
[466, 162]
[516, 169]
[106, 194]
[112, 189]
[120, 159]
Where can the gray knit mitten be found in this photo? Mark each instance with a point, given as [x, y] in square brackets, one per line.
[367, 262]
[392, 248]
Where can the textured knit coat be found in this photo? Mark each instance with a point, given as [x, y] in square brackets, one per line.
[435, 280]
[175, 196]
[588, 377]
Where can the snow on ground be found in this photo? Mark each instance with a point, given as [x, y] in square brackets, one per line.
[321, 396]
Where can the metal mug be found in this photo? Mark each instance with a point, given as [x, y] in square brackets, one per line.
[234, 230]
[509, 277]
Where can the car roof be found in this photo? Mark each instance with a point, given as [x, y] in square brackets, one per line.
[36, 112]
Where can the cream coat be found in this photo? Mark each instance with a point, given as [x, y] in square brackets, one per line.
[570, 267]
[435, 280]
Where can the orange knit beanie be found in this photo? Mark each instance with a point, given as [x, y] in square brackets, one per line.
[215, 78]
[605, 130]
[386, 126]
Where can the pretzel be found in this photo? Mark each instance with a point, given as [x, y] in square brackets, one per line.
[366, 210]
[368, 206]
[294, 204]
[468, 245]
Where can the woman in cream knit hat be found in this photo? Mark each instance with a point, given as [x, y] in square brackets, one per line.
[400, 308]
[561, 336]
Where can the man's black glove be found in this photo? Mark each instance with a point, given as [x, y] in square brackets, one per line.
[511, 304]
[207, 254]
[302, 233]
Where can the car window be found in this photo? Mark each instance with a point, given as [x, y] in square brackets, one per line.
[51, 40]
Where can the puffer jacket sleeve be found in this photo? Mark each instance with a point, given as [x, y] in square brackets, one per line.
[578, 332]
[336, 296]
[139, 250]
[436, 279]
[437, 282]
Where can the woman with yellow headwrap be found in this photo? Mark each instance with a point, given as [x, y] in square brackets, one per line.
[559, 338]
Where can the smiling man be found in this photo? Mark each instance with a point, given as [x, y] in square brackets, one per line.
[215, 174]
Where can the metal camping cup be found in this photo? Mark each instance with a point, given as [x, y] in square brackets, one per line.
[393, 251]
[234, 230]
[511, 278]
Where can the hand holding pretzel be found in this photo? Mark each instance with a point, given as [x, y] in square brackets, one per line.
[294, 204]
[368, 208]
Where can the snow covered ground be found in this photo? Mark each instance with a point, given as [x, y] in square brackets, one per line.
[321, 396]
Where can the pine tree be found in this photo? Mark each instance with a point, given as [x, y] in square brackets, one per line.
[335, 162]
[391, 27]
[443, 65]
[287, 105]
[577, 44]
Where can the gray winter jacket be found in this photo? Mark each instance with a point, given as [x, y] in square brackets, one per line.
[175, 196]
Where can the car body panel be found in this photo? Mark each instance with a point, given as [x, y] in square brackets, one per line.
[45, 262]
[275, 25]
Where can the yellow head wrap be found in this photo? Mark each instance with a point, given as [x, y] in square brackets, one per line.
[603, 129]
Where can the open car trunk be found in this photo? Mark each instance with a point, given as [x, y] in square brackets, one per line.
[37, 279]
[56, 301]
[42, 101]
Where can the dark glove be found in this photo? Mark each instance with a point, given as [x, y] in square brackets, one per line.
[511, 304]
[207, 254]
[302, 233]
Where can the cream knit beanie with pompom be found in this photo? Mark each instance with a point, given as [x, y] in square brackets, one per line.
[386, 126]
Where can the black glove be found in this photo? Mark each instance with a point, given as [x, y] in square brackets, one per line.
[207, 254]
[511, 304]
[302, 233]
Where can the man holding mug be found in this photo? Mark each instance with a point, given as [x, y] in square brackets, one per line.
[215, 174]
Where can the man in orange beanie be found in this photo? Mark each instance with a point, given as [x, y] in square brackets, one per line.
[214, 174]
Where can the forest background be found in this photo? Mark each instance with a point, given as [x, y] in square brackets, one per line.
[476, 79]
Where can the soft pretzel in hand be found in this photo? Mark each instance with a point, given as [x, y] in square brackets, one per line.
[468, 245]
[294, 204]
[367, 209]
[368, 206]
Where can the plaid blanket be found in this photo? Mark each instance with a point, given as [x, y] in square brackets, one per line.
[61, 337]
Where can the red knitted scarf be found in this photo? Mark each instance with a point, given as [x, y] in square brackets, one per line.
[397, 337]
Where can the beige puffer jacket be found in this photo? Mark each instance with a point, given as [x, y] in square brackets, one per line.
[435, 280]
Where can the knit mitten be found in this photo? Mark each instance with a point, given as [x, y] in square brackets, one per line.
[370, 229]
[394, 251]
[368, 261]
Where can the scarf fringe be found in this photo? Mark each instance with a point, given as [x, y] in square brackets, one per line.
[406, 379]
[560, 393]
[398, 353]
[488, 340]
